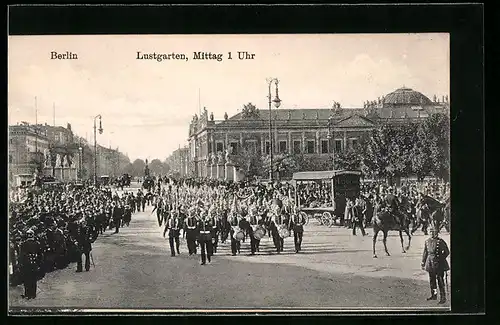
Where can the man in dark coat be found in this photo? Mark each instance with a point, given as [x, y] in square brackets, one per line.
[205, 239]
[86, 236]
[434, 262]
[30, 256]
[357, 212]
[298, 222]
[190, 230]
[173, 227]
[117, 214]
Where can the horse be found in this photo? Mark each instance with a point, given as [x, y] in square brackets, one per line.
[385, 221]
[438, 212]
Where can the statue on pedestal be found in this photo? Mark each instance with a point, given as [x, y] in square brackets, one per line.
[146, 169]
[47, 158]
[228, 156]
[220, 158]
[58, 160]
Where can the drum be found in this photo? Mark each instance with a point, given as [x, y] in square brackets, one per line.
[284, 232]
[238, 235]
[259, 233]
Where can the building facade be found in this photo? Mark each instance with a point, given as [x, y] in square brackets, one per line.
[316, 133]
[178, 162]
[26, 148]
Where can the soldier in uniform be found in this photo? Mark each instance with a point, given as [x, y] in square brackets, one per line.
[278, 221]
[253, 222]
[173, 227]
[357, 213]
[235, 245]
[298, 222]
[205, 239]
[87, 234]
[434, 262]
[30, 255]
[391, 203]
[117, 214]
[190, 230]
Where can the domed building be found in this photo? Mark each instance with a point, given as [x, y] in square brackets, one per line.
[405, 102]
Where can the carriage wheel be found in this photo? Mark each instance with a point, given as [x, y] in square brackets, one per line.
[326, 219]
[305, 216]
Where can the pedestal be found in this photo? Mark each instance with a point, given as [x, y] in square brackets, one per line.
[239, 175]
[220, 172]
[213, 171]
[229, 172]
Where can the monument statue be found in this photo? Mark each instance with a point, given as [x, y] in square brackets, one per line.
[220, 158]
[58, 160]
[47, 158]
[146, 169]
[228, 156]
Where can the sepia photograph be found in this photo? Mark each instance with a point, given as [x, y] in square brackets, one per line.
[229, 172]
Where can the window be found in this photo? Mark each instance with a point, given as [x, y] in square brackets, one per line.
[338, 145]
[11, 141]
[233, 148]
[282, 146]
[354, 143]
[219, 147]
[296, 146]
[324, 146]
[267, 148]
[310, 146]
[10, 159]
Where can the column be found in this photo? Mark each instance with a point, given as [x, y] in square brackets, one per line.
[303, 142]
[345, 140]
[290, 144]
[262, 144]
[241, 139]
[226, 146]
[317, 144]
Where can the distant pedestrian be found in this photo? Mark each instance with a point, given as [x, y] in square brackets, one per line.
[357, 219]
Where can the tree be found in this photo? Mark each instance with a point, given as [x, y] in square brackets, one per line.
[250, 111]
[156, 167]
[436, 130]
[249, 161]
[138, 167]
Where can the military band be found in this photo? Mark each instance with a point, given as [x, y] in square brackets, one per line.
[45, 238]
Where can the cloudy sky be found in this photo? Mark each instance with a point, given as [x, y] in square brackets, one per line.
[146, 105]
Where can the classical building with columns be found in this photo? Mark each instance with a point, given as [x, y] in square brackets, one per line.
[212, 142]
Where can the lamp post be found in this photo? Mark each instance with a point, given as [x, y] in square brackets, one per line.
[277, 103]
[331, 138]
[80, 162]
[95, 144]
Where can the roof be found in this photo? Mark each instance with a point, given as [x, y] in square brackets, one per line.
[407, 96]
[303, 113]
[328, 174]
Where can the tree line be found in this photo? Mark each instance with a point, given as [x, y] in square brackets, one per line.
[390, 151]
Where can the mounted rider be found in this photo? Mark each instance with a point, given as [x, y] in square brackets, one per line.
[391, 204]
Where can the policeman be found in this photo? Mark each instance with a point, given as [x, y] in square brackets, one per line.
[205, 238]
[298, 222]
[190, 229]
[434, 262]
[30, 256]
[173, 228]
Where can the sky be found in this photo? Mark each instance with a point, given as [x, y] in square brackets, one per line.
[146, 105]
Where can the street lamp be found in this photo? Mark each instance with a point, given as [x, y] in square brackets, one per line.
[277, 103]
[331, 138]
[80, 163]
[95, 144]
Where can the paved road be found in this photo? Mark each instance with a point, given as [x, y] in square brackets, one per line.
[335, 270]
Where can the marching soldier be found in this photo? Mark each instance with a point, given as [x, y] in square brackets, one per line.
[117, 213]
[278, 222]
[298, 223]
[30, 255]
[190, 230]
[215, 227]
[254, 223]
[205, 239]
[173, 228]
[235, 245]
[434, 262]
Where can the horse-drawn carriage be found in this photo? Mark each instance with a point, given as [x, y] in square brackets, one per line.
[340, 184]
